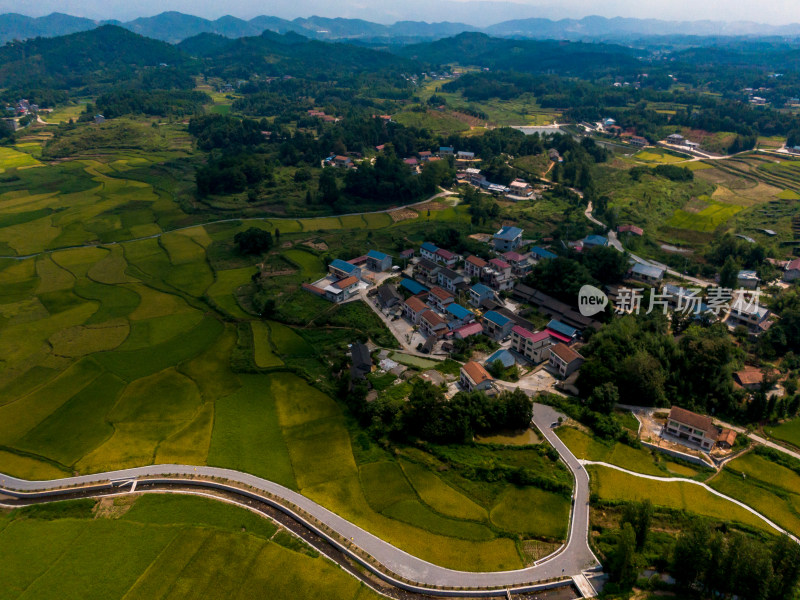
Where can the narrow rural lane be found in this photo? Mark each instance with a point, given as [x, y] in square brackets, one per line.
[574, 557]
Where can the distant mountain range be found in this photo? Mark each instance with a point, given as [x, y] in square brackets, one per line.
[174, 27]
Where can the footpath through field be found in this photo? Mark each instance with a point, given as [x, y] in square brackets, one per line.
[573, 559]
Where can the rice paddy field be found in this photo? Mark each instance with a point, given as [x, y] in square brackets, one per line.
[639, 460]
[127, 339]
[161, 546]
[613, 485]
[786, 432]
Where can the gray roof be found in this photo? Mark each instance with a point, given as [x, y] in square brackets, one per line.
[648, 270]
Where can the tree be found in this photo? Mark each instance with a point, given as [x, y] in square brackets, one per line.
[622, 567]
[786, 568]
[691, 555]
[328, 188]
[253, 241]
[603, 398]
[639, 515]
[729, 274]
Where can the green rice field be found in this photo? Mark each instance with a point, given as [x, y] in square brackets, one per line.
[161, 546]
[126, 339]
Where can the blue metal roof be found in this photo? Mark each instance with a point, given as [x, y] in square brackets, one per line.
[376, 255]
[481, 289]
[496, 318]
[595, 240]
[508, 233]
[561, 328]
[542, 253]
[412, 286]
[648, 270]
[458, 311]
[429, 247]
[504, 356]
[338, 263]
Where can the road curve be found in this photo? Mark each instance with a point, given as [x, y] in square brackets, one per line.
[574, 557]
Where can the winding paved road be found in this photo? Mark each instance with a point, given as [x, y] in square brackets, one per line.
[572, 560]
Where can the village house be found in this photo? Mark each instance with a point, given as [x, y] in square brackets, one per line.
[475, 378]
[464, 155]
[388, 296]
[792, 270]
[595, 240]
[466, 331]
[638, 141]
[683, 300]
[496, 325]
[503, 356]
[378, 261]
[474, 266]
[425, 155]
[446, 151]
[520, 188]
[426, 269]
[413, 308]
[342, 290]
[533, 346]
[342, 161]
[449, 279]
[457, 316]
[498, 275]
[478, 293]
[342, 269]
[632, 229]
[676, 139]
[538, 254]
[439, 298]
[428, 250]
[520, 263]
[750, 378]
[647, 273]
[750, 315]
[361, 361]
[561, 331]
[431, 324]
[554, 155]
[413, 287]
[691, 427]
[747, 280]
[508, 238]
[564, 360]
[445, 257]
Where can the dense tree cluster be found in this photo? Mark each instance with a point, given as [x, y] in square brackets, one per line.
[253, 241]
[722, 565]
[232, 174]
[649, 367]
[163, 103]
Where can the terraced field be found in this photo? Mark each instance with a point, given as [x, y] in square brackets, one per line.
[159, 547]
[136, 346]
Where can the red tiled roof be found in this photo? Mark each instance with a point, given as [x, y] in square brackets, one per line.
[445, 254]
[313, 289]
[476, 372]
[346, 282]
[500, 264]
[468, 330]
[415, 304]
[727, 436]
[535, 337]
[794, 265]
[565, 353]
[513, 256]
[692, 419]
[630, 229]
[558, 336]
[441, 293]
[478, 262]
[433, 319]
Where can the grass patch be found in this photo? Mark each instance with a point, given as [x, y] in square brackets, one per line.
[787, 432]
[532, 511]
[264, 354]
[610, 484]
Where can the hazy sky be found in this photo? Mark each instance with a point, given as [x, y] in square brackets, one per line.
[477, 12]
